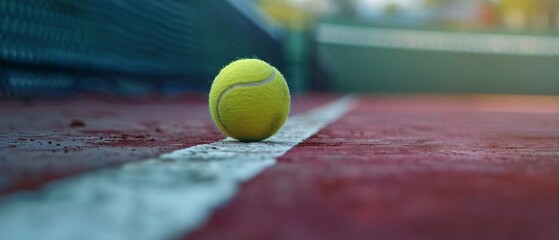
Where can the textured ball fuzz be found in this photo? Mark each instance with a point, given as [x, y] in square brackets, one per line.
[249, 100]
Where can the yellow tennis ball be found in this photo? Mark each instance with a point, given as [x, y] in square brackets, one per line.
[249, 100]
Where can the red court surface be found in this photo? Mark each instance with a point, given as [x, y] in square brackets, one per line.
[411, 168]
[407, 167]
[47, 140]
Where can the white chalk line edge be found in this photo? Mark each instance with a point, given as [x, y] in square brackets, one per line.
[159, 198]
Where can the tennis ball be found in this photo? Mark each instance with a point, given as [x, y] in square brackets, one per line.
[249, 100]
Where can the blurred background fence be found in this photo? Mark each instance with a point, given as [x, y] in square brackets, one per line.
[136, 47]
[59, 47]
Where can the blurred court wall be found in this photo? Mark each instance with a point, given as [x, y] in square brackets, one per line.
[391, 60]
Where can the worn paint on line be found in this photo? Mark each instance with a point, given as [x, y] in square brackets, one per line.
[155, 199]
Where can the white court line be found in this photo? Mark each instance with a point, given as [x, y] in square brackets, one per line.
[159, 198]
[488, 43]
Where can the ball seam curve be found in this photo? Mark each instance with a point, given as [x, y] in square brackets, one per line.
[238, 85]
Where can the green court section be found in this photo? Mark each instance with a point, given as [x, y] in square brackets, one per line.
[388, 61]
